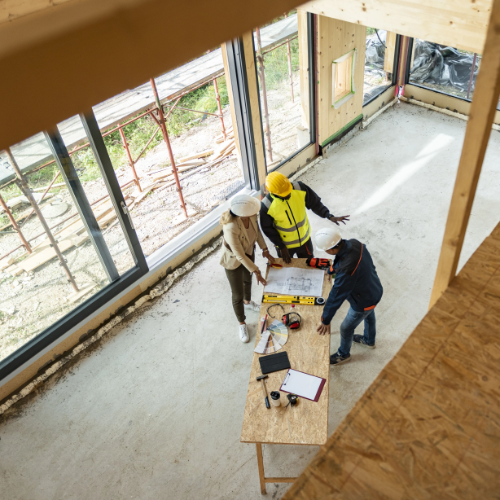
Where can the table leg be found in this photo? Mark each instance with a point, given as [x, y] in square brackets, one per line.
[260, 461]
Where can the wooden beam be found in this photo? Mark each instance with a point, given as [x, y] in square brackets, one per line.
[62, 60]
[477, 134]
[12, 9]
[254, 95]
[459, 23]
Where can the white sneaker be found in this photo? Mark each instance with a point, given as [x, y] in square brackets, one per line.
[244, 334]
[252, 306]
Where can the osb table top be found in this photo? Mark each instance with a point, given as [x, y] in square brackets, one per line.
[307, 422]
[428, 427]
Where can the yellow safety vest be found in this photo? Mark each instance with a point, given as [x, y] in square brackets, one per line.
[290, 217]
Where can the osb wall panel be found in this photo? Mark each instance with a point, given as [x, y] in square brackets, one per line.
[336, 38]
[459, 23]
[429, 426]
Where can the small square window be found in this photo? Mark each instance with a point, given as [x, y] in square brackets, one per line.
[343, 78]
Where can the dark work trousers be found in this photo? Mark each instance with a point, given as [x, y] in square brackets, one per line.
[303, 252]
[240, 280]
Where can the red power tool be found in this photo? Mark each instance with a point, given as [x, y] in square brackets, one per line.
[318, 263]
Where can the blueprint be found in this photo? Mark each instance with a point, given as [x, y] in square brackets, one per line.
[294, 281]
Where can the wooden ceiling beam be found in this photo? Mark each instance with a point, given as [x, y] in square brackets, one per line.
[62, 60]
[458, 23]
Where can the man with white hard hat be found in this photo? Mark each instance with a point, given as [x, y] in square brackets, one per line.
[356, 281]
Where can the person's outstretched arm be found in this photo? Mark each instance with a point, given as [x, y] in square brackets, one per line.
[313, 202]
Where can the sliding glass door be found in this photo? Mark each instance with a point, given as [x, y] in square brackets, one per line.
[68, 242]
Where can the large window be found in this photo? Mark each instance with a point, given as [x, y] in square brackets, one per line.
[197, 138]
[65, 236]
[283, 61]
[83, 205]
[444, 69]
[379, 62]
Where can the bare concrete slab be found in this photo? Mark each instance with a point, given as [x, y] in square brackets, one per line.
[155, 410]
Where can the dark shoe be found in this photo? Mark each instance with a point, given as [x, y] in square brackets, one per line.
[336, 359]
[359, 339]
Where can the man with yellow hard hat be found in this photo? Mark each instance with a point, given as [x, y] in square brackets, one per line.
[283, 216]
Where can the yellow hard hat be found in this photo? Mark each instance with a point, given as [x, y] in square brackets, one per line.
[278, 184]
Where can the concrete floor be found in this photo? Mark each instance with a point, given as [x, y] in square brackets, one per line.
[155, 410]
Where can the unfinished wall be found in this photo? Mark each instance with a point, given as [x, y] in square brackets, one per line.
[336, 38]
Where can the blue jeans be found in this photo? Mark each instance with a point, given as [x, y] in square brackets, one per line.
[351, 321]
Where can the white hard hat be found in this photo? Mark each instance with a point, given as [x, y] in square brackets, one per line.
[327, 238]
[244, 205]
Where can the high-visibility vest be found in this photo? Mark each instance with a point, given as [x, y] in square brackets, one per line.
[290, 217]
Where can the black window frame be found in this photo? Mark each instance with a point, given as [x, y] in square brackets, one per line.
[63, 325]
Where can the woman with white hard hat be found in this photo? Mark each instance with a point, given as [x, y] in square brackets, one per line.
[241, 232]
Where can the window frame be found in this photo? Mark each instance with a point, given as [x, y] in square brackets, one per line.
[63, 325]
[311, 45]
[347, 95]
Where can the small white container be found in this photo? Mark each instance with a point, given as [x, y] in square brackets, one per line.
[275, 398]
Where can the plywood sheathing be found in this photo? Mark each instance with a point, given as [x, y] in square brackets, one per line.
[428, 426]
[308, 352]
[458, 23]
[335, 39]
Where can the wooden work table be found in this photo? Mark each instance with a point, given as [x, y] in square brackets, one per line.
[307, 422]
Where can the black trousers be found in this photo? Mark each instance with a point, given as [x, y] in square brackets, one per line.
[240, 280]
[303, 252]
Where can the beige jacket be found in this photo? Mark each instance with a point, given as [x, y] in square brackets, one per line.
[236, 236]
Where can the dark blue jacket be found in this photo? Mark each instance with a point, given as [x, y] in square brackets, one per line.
[356, 281]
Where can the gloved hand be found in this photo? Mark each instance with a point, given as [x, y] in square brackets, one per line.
[285, 255]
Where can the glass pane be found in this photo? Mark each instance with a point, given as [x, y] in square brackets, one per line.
[95, 189]
[283, 73]
[379, 62]
[35, 288]
[199, 126]
[446, 69]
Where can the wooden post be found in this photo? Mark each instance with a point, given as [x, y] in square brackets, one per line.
[260, 60]
[23, 186]
[219, 107]
[477, 134]
[260, 463]
[289, 55]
